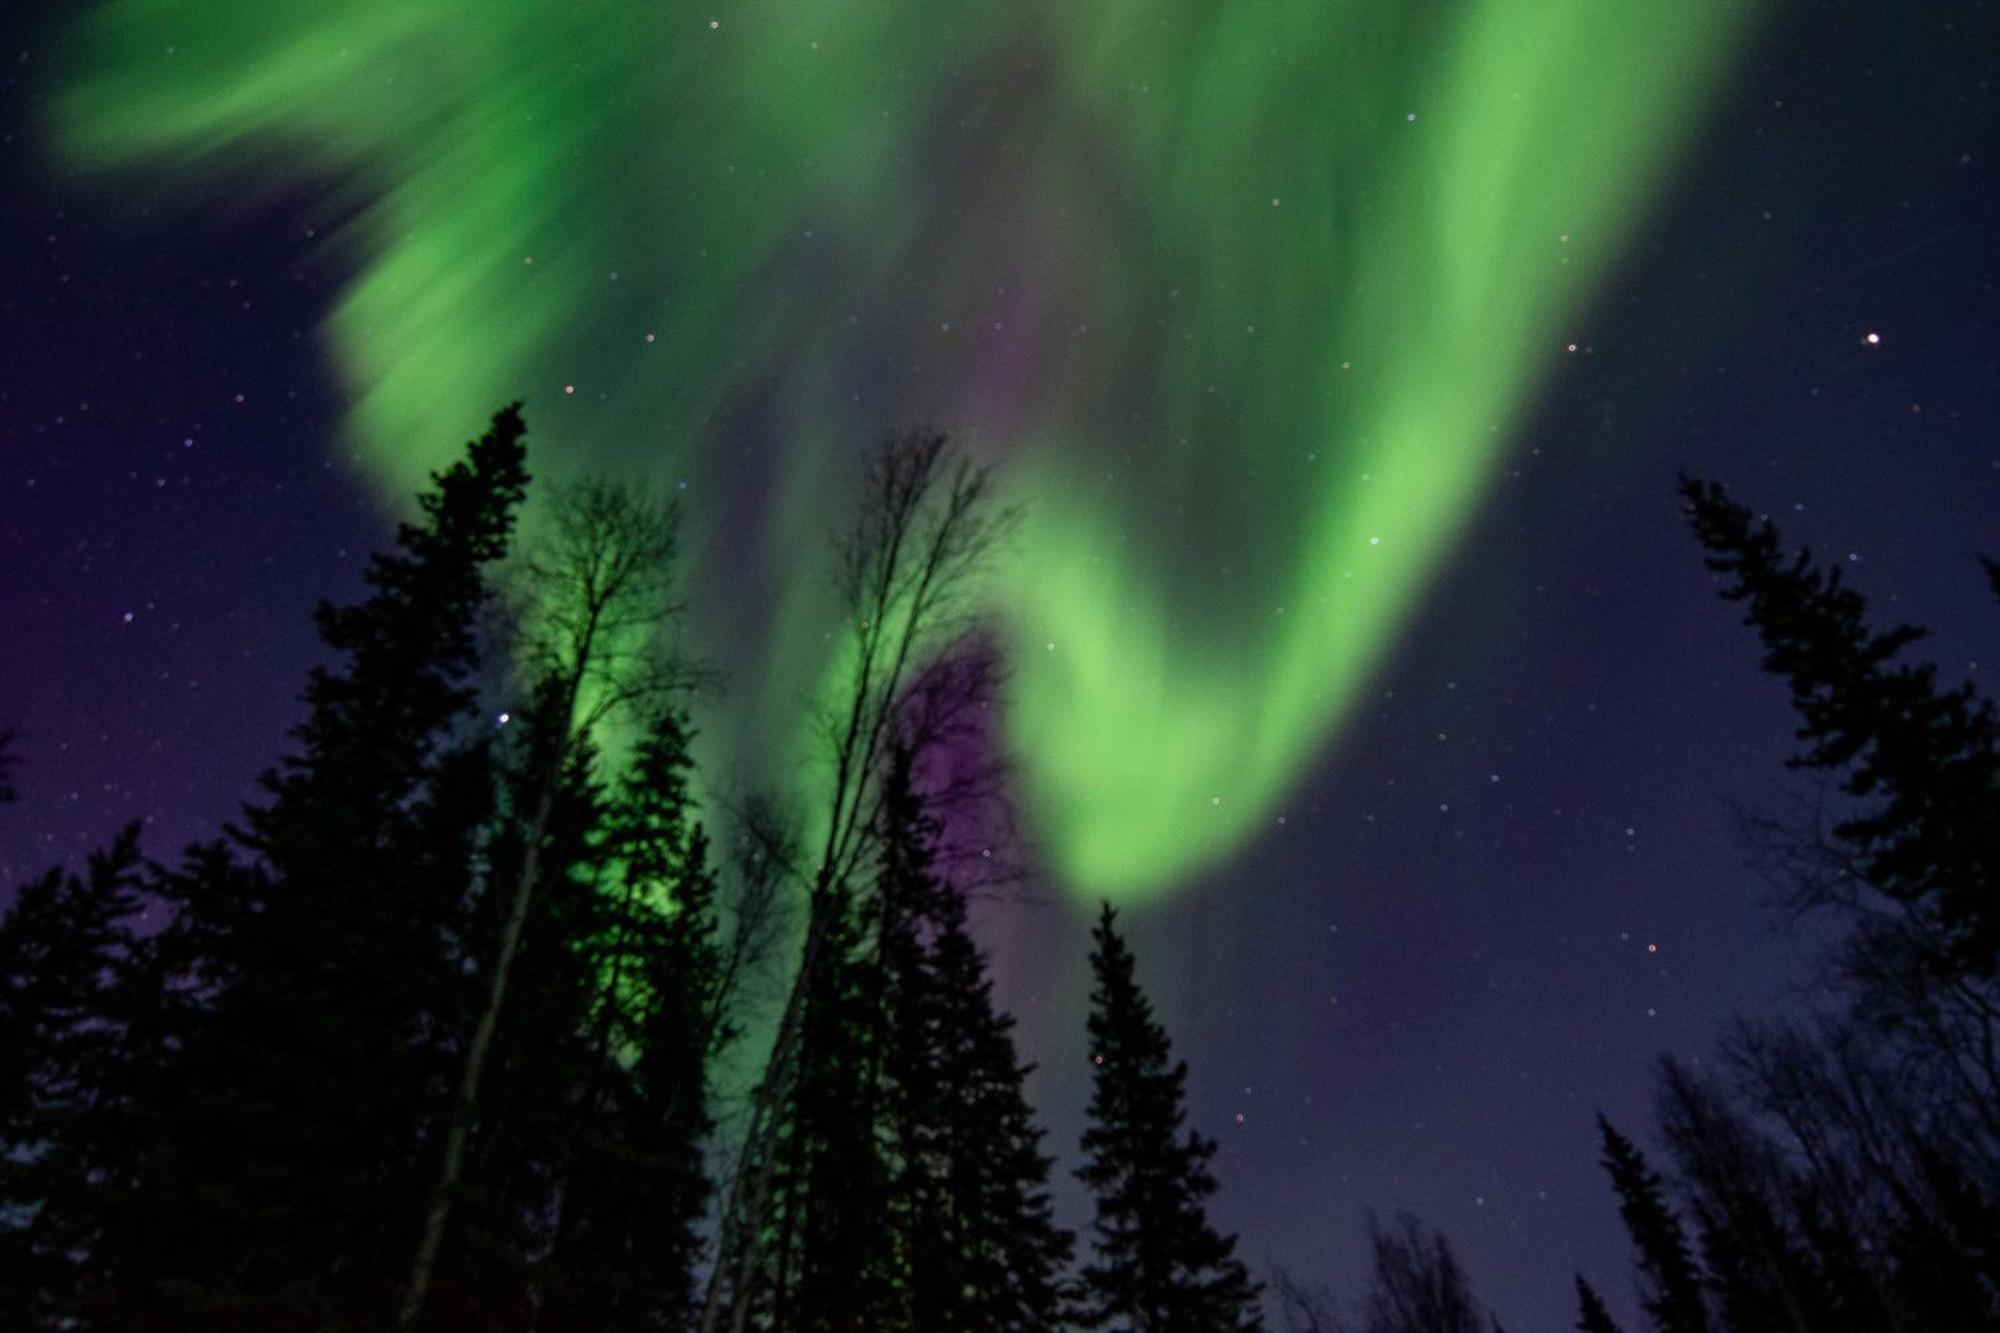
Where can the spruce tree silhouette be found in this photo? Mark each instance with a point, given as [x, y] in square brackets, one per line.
[312, 1074]
[76, 991]
[1592, 1317]
[969, 1195]
[270, 1074]
[834, 1265]
[1846, 1174]
[1670, 1280]
[1159, 1266]
[1927, 757]
[635, 1185]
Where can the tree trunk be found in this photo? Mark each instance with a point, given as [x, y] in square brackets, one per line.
[466, 1110]
[739, 1252]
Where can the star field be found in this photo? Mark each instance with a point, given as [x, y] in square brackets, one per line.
[1507, 879]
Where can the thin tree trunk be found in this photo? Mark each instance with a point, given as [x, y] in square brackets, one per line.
[465, 1112]
[739, 1252]
[881, 578]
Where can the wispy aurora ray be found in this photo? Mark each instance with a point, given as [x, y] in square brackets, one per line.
[1246, 295]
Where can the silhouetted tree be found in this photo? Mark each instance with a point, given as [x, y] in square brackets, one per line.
[635, 1186]
[832, 1249]
[969, 1194]
[1844, 1174]
[1884, 1166]
[1416, 1283]
[1592, 1317]
[1948, 1255]
[309, 1006]
[1736, 1192]
[908, 568]
[76, 989]
[1927, 757]
[593, 604]
[1670, 1282]
[492, 1261]
[1304, 1309]
[1159, 1265]
[308, 1085]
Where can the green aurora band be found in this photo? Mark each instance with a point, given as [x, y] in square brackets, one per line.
[1244, 297]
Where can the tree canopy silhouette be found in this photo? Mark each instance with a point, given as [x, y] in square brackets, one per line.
[1926, 758]
[1159, 1264]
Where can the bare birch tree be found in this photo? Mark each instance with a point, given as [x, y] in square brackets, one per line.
[592, 604]
[907, 573]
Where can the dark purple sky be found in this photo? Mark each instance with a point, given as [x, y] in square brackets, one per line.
[1440, 1038]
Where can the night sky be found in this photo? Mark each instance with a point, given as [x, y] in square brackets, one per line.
[1469, 862]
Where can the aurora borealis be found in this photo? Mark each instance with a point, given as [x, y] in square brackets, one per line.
[1474, 864]
[1245, 304]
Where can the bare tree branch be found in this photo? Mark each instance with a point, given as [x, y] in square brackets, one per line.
[1304, 1309]
[907, 572]
[593, 602]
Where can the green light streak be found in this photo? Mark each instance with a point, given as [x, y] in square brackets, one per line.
[1262, 341]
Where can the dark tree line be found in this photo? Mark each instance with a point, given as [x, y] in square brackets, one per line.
[1837, 1173]
[1842, 1172]
[431, 1037]
[246, 1117]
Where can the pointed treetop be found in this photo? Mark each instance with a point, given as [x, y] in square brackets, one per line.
[1592, 1317]
[1669, 1281]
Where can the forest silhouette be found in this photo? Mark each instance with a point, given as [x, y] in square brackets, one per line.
[448, 1029]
